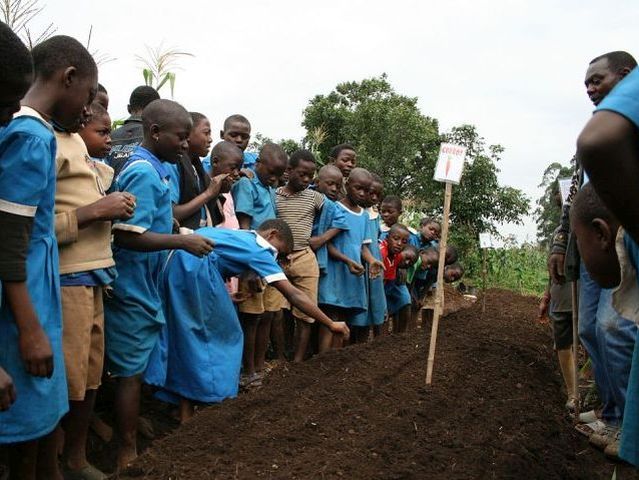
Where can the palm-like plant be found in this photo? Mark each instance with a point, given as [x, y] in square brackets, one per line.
[18, 14]
[159, 65]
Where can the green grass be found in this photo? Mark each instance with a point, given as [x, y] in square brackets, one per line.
[522, 269]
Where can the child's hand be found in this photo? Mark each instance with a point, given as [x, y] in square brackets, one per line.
[341, 328]
[375, 269]
[315, 243]
[114, 206]
[197, 244]
[543, 308]
[7, 391]
[356, 268]
[35, 351]
[215, 185]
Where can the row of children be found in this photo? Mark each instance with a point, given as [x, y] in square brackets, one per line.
[129, 247]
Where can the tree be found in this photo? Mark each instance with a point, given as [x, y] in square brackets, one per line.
[159, 64]
[289, 145]
[18, 14]
[548, 211]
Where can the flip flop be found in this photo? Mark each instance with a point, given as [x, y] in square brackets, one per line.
[587, 429]
[588, 417]
[87, 473]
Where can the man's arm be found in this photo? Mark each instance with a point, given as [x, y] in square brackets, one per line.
[608, 148]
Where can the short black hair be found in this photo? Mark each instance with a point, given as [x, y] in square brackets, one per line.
[224, 147]
[98, 111]
[197, 117]
[359, 172]
[377, 178]
[393, 201]
[282, 228]
[412, 248]
[235, 118]
[617, 60]
[398, 226]
[587, 205]
[141, 96]
[15, 59]
[451, 254]
[456, 266]
[427, 221]
[60, 52]
[162, 112]
[328, 168]
[337, 149]
[102, 89]
[300, 156]
[274, 150]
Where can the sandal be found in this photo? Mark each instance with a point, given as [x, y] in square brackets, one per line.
[89, 472]
[588, 417]
[588, 429]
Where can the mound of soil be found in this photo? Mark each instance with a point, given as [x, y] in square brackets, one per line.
[495, 410]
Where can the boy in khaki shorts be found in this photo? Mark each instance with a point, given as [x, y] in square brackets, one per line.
[254, 200]
[83, 230]
[298, 206]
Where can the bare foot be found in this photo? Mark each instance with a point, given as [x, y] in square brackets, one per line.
[186, 410]
[126, 456]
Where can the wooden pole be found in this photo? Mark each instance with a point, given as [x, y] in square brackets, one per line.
[484, 253]
[575, 345]
[439, 293]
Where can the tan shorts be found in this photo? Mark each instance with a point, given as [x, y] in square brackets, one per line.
[82, 338]
[303, 272]
[268, 300]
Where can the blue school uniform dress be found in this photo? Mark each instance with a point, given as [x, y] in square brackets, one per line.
[200, 350]
[27, 188]
[254, 199]
[133, 313]
[330, 217]
[374, 286]
[624, 100]
[339, 287]
[397, 296]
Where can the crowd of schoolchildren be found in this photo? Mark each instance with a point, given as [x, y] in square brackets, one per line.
[143, 255]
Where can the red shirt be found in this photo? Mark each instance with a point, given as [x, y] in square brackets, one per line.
[390, 264]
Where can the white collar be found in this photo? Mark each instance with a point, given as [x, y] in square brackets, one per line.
[262, 242]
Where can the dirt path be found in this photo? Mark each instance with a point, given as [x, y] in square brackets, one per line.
[494, 411]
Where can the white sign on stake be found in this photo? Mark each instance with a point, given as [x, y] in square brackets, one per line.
[485, 240]
[450, 163]
[564, 188]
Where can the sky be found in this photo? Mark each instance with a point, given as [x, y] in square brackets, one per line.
[515, 69]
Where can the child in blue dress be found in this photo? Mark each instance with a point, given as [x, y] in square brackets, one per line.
[133, 314]
[342, 290]
[16, 74]
[31, 319]
[203, 340]
[374, 316]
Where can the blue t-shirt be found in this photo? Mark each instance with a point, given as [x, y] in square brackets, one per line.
[253, 198]
[624, 98]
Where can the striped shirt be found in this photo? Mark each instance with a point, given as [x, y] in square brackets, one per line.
[299, 210]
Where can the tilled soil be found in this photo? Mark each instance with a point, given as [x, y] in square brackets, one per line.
[495, 410]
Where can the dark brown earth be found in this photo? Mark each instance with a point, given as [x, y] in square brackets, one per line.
[495, 410]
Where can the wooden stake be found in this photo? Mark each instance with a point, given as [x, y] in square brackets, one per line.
[483, 274]
[439, 293]
[575, 344]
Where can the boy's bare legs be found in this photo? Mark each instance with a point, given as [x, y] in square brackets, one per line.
[404, 318]
[378, 330]
[186, 410]
[278, 339]
[395, 321]
[47, 463]
[127, 412]
[360, 334]
[76, 428]
[262, 337]
[303, 335]
[325, 342]
[249, 326]
[23, 458]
